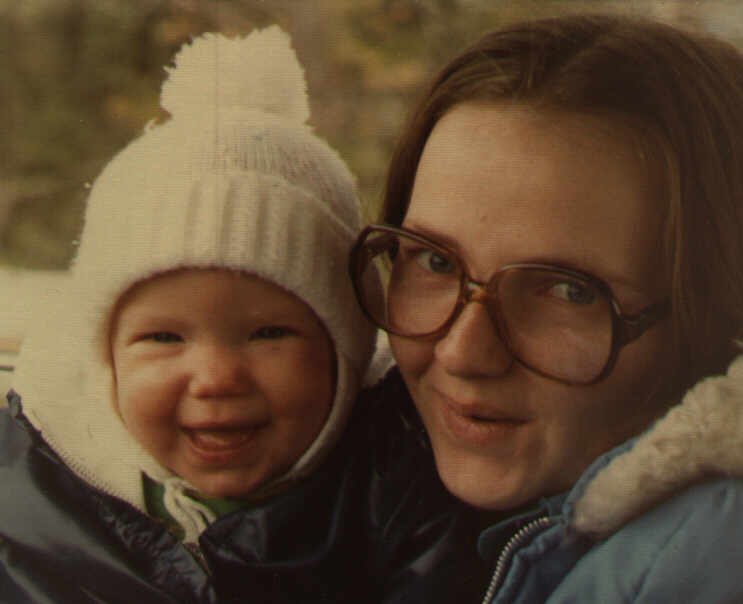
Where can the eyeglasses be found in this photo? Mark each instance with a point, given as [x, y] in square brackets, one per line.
[558, 322]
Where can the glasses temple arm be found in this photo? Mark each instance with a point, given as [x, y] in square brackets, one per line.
[634, 326]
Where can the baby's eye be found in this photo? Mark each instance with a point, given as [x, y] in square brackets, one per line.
[163, 337]
[271, 332]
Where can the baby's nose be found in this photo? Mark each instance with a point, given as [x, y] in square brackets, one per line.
[219, 371]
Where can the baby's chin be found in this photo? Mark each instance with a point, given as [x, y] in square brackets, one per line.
[237, 485]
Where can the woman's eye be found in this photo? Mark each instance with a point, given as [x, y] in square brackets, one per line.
[271, 332]
[435, 262]
[163, 337]
[574, 292]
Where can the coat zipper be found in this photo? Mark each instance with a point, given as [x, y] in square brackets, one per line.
[509, 549]
[195, 550]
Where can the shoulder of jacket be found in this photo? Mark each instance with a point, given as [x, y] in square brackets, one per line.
[686, 549]
[697, 440]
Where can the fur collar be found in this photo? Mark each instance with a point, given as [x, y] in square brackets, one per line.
[700, 438]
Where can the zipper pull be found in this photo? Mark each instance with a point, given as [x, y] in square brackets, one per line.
[198, 555]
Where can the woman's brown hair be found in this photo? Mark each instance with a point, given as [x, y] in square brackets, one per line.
[682, 96]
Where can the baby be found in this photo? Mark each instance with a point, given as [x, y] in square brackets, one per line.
[206, 353]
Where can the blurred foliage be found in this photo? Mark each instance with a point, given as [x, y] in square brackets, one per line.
[82, 78]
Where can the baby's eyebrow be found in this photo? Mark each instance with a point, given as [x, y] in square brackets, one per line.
[148, 320]
[272, 314]
[154, 317]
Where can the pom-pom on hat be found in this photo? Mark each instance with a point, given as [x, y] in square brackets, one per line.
[235, 179]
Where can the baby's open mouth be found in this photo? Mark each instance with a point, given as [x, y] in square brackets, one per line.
[219, 439]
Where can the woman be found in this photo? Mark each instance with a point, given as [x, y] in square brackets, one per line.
[564, 271]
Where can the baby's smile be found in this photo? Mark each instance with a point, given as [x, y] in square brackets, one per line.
[222, 438]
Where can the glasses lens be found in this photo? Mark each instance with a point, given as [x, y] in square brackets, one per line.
[420, 283]
[556, 323]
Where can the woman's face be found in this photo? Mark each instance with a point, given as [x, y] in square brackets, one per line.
[502, 185]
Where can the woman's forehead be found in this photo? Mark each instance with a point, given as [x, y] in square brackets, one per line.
[511, 184]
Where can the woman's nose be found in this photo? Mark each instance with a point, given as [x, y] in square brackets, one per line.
[219, 371]
[473, 347]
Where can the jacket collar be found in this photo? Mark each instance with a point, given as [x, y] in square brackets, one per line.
[698, 439]
[491, 540]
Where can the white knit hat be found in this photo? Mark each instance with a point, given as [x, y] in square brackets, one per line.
[234, 179]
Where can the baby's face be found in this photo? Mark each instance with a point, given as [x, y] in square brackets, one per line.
[224, 378]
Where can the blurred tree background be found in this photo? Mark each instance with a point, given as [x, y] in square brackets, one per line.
[81, 78]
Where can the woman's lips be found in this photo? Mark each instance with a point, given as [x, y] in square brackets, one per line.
[478, 424]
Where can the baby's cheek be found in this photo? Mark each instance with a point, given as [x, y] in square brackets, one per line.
[309, 386]
[310, 360]
[141, 397]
